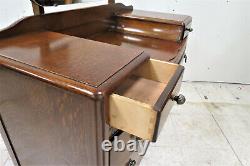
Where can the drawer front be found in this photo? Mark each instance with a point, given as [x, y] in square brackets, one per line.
[150, 29]
[162, 117]
[124, 158]
[141, 104]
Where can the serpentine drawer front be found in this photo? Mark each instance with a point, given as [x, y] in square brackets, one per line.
[141, 104]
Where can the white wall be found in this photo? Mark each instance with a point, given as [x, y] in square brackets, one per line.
[13, 10]
[219, 47]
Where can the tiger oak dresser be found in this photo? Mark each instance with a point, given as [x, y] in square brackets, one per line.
[71, 79]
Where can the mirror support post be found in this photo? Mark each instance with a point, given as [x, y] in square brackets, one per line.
[37, 9]
[111, 1]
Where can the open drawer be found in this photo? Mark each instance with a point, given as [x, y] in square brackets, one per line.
[141, 104]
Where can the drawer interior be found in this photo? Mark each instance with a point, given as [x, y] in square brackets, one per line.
[147, 83]
[141, 89]
[133, 106]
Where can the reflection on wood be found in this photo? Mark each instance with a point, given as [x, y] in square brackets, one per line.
[64, 92]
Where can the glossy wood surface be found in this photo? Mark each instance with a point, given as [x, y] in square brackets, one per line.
[163, 31]
[156, 48]
[75, 58]
[94, 22]
[167, 26]
[48, 125]
[68, 20]
[55, 88]
[79, 60]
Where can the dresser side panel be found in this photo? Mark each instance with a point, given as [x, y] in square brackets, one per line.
[48, 125]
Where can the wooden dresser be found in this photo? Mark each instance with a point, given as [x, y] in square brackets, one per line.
[70, 80]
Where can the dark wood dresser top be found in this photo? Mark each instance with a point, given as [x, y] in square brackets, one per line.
[163, 50]
[69, 58]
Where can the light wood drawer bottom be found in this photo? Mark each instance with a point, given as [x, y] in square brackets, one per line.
[137, 106]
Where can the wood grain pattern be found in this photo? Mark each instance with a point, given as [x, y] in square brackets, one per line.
[77, 59]
[48, 125]
[89, 22]
[56, 113]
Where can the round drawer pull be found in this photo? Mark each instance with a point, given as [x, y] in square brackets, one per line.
[131, 162]
[180, 99]
[189, 29]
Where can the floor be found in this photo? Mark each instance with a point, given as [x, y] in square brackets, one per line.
[211, 129]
